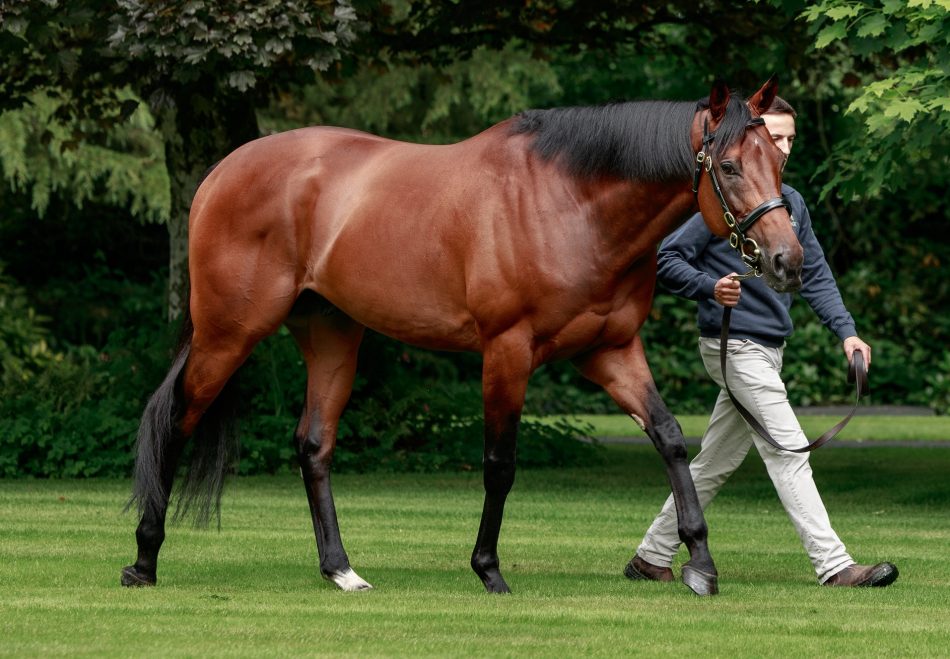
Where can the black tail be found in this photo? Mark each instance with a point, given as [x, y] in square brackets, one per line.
[159, 446]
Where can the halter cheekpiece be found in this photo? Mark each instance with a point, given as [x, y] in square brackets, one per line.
[737, 236]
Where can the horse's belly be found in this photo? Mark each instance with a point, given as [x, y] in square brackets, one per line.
[400, 283]
[407, 316]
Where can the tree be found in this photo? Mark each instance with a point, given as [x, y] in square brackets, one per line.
[900, 69]
[203, 66]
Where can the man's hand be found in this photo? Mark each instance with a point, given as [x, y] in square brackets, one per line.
[728, 290]
[853, 343]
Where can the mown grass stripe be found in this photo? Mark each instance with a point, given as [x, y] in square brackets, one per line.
[252, 589]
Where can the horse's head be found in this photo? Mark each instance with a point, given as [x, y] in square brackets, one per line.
[738, 184]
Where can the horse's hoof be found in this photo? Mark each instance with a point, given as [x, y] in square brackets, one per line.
[348, 580]
[494, 582]
[133, 578]
[701, 583]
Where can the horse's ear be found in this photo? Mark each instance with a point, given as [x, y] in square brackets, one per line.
[761, 101]
[718, 100]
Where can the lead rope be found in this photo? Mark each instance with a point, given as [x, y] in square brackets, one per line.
[857, 375]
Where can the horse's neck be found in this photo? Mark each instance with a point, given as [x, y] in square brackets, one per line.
[632, 217]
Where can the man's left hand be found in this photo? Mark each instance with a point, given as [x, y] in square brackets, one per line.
[853, 343]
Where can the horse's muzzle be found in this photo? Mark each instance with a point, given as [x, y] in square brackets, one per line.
[783, 270]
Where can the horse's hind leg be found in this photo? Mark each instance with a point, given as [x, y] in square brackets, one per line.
[506, 370]
[623, 372]
[226, 329]
[210, 364]
[159, 445]
[329, 344]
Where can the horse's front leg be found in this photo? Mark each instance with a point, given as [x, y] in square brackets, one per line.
[506, 369]
[624, 374]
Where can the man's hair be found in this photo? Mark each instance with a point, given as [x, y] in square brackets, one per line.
[781, 106]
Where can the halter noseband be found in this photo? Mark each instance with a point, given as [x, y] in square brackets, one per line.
[737, 238]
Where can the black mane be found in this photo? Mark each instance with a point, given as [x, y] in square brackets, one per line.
[643, 140]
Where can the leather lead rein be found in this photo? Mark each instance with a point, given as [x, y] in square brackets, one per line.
[857, 375]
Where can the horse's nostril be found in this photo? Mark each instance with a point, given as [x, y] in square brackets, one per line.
[778, 264]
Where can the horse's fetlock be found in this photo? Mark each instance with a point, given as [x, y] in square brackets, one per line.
[482, 562]
[334, 563]
[692, 533]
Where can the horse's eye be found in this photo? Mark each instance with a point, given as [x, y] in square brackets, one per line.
[729, 168]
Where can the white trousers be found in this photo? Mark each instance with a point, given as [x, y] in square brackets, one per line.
[755, 379]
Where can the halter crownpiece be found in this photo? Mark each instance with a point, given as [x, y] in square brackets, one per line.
[737, 228]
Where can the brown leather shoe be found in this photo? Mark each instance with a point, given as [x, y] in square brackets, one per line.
[639, 569]
[872, 576]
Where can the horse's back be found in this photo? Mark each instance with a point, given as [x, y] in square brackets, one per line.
[383, 229]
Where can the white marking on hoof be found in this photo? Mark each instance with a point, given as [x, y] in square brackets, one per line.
[349, 580]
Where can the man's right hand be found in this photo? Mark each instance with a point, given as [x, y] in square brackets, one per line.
[728, 290]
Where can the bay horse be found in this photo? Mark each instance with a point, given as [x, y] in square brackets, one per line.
[532, 241]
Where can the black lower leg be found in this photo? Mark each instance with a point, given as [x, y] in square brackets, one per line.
[699, 573]
[499, 478]
[315, 467]
[149, 536]
[150, 533]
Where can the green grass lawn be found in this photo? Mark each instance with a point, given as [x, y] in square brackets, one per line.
[252, 589]
[861, 428]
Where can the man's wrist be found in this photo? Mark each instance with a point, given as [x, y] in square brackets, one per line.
[846, 332]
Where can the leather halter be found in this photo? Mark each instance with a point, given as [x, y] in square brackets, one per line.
[737, 228]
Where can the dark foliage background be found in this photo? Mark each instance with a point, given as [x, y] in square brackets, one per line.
[111, 110]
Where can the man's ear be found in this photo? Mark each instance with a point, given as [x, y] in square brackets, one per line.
[761, 101]
[718, 100]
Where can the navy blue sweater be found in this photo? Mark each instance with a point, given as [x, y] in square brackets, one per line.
[691, 260]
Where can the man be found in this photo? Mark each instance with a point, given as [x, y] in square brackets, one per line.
[693, 263]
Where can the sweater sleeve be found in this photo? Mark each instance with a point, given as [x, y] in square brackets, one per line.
[818, 284]
[677, 268]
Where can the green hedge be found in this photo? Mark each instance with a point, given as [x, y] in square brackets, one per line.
[76, 413]
[73, 410]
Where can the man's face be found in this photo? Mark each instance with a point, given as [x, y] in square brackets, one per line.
[782, 128]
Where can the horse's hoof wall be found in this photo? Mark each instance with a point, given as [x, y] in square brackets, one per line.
[494, 582]
[348, 580]
[132, 578]
[701, 583]
[501, 589]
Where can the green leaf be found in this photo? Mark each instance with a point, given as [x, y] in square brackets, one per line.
[940, 103]
[872, 26]
[878, 87]
[16, 25]
[831, 33]
[929, 32]
[914, 78]
[860, 104]
[879, 124]
[894, 6]
[812, 14]
[904, 109]
[845, 11]
[241, 80]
